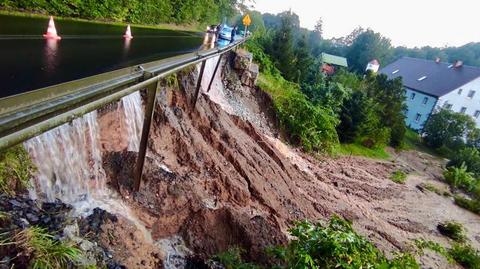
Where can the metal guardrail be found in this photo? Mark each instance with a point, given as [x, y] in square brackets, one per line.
[29, 114]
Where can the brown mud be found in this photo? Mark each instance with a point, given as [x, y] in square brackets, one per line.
[219, 179]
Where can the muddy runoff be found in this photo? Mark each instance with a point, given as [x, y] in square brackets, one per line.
[221, 175]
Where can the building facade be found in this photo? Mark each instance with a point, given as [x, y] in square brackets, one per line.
[433, 85]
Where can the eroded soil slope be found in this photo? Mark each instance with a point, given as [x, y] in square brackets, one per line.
[217, 180]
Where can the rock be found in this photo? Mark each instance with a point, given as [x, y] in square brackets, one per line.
[32, 218]
[249, 77]
[243, 60]
[15, 203]
[71, 231]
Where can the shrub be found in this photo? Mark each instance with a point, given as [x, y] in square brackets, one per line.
[41, 249]
[16, 168]
[469, 204]
[470, 157]
[399, 177]
[311, 126]
[453, 230]
[335, 245]
[465, 255]
[459, 177]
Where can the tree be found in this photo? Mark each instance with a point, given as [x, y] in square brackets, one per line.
[318, 28]
[367, 46]
[302, 60]
[447, 128]
[390, 97]
[283, 51]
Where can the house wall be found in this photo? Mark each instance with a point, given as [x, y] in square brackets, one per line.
[462, 100]
[416, 107]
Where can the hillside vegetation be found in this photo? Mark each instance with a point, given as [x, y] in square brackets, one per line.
[135, 11]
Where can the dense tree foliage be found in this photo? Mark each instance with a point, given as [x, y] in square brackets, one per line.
[136, 11]
[365, 110]
[448, 129]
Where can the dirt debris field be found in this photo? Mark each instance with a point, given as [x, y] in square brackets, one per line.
[227, 179]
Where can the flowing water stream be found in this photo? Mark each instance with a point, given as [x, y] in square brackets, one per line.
[69, 163]
[69, 166]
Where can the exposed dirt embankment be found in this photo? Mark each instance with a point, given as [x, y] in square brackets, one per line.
[219, 180]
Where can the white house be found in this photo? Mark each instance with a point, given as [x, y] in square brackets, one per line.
[431, 85]
[373, 66]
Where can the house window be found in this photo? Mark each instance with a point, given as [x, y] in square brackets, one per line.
[477, 114]
[447, 106]
[463, 110]
[460, 91]
[418, 117]
[425, 100]
[412, 96]
[471, 94]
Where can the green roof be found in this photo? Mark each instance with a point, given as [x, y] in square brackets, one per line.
[333, 59]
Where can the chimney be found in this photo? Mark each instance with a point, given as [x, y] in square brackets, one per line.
[437, 60]
[458, 64]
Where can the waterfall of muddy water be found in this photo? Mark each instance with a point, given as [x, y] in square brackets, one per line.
[69, 168]
[217, 92]
[133, 110]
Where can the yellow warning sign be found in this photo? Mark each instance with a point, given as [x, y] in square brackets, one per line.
[246, 20]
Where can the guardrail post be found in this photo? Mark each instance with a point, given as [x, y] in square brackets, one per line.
[149, 109]
[214, 72]
[199, 84]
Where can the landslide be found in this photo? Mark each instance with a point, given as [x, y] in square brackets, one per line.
[218, 180]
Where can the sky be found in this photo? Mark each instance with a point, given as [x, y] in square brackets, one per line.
[408, 23]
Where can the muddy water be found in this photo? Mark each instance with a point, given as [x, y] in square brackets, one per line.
[133, 110]
[69, 162]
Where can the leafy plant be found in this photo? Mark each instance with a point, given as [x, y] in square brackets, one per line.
[399, 177]
[335, 245]
[459, 177]
[452, 229]
[465, 255]
[16, 169]
[468, 157]
[41, 249]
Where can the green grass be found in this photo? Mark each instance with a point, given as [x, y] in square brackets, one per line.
[359, 150]
[465, 255]
[413, 141]
[399, 177]
[16, 169]
[432, 188]
[453, 230]
[41, 249]
[469, 204]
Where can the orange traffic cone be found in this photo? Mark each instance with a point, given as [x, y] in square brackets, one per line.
[51, 31]
[128, 33]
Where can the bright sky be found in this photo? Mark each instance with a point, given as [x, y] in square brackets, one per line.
[406, 22]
